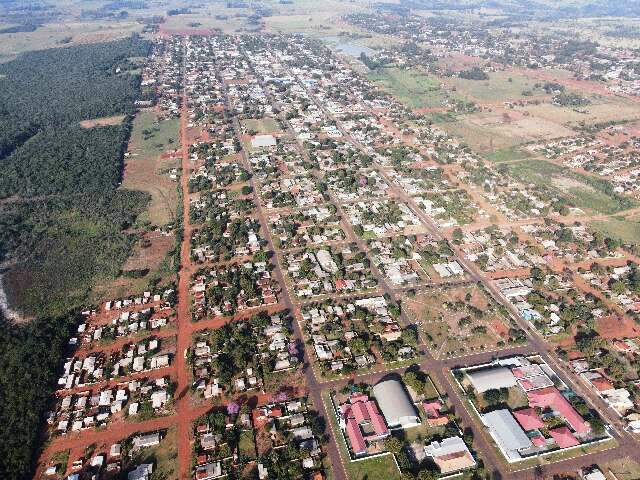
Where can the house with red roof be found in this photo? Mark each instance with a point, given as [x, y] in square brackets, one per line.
[528, 419]
[551, 397]
[563, 437]
[432, 411]
[363, 423]
[602, 384]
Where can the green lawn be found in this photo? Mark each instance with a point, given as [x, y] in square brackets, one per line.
[373, 469]
[145, 169]
[430, 390]
[410, 87]
[505, 155]
[164, 457]
[247, 446]
[264, 125]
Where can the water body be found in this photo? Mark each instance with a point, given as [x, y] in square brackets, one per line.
[348, 48]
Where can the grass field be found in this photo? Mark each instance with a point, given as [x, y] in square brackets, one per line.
[450, 330]
[144, 169]
[602, 109]
[64, 34]
[588, 193]
[626, 230]
[379, 467]
[624, 468]
[247, 445]
[500, 130]
[204, 20]
[410, 87]
[164, 457]
[506, 155]
[101, 122]
[500, 87]
[264, 125]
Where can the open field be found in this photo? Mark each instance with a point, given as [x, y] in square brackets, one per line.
[309, 16]
[503, 129]
[145, 169]
[261, 126]
[457, 320]
[101, 122]
[164, 457]
[64, 34]
[506, 155]
[410, 87]
[588, 193]
[379, 467]
[500, 87]
[623, 469]
[627, 230]
[602, 109]
[231, 24]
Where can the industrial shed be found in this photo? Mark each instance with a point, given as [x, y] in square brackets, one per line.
[493, 377]
[395, 404]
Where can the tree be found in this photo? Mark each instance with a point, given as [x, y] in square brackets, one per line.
[428, 475]
[495, 396]
[409, 336]
[393, 444]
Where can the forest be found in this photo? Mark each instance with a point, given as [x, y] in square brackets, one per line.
[57, 87]
[29, 359]
[65, 224]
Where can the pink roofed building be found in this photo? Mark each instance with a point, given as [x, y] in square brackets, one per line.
[551, 397]
[432, 411]
[363, 423]
[563, 437]
[539, 441]
[528, 419]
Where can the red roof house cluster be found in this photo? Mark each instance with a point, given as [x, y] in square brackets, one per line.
[551, 397]
[364, 423]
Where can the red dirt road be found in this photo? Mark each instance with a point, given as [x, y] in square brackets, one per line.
[183, 314]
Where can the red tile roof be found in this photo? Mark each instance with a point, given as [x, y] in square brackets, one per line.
[358, 444]
[563, 437]
[538, 441]
[602, 384]
[528, 419]
[551, 397]
[360, 411]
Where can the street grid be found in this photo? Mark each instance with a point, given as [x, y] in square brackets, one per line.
[438, 369]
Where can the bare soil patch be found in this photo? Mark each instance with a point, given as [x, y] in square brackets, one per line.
[102, 122]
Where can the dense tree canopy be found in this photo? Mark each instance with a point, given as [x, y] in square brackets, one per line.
[62, 215]
[57, 87]
[29, 358]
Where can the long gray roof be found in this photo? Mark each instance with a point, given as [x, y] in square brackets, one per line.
[506, 432]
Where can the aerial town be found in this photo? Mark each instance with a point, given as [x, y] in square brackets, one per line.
[410, 250]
